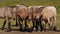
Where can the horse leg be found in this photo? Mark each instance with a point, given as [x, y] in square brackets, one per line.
[3, 24]
[33, 21]
[41, 24]
[16, 21]
[20, 26]
[26, 25]
[50, 25]
[45, 24]
[9, 23]
[37, 23]
[46, 21]
[54, 24]
[21, 29]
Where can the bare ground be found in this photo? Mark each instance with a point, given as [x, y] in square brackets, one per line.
[34, 32]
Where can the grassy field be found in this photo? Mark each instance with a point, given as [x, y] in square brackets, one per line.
[55, 3]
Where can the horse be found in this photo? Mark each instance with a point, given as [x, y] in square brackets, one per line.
[34, 15]
[22, 14]
[7, 15]
[48, 15]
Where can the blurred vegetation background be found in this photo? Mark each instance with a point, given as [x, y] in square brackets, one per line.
[55, 3]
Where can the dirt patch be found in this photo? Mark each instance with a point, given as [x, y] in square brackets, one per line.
[19, 32]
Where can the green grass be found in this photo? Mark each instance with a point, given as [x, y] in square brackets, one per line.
[55, 3]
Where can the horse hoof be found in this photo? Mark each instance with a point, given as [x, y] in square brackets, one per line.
[41, 30]
[2, 29]
[54, 28]
[22, 30]
[8, 30]
[36, 30]
[29, 30]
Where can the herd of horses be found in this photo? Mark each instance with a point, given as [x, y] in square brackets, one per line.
[39, 15]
